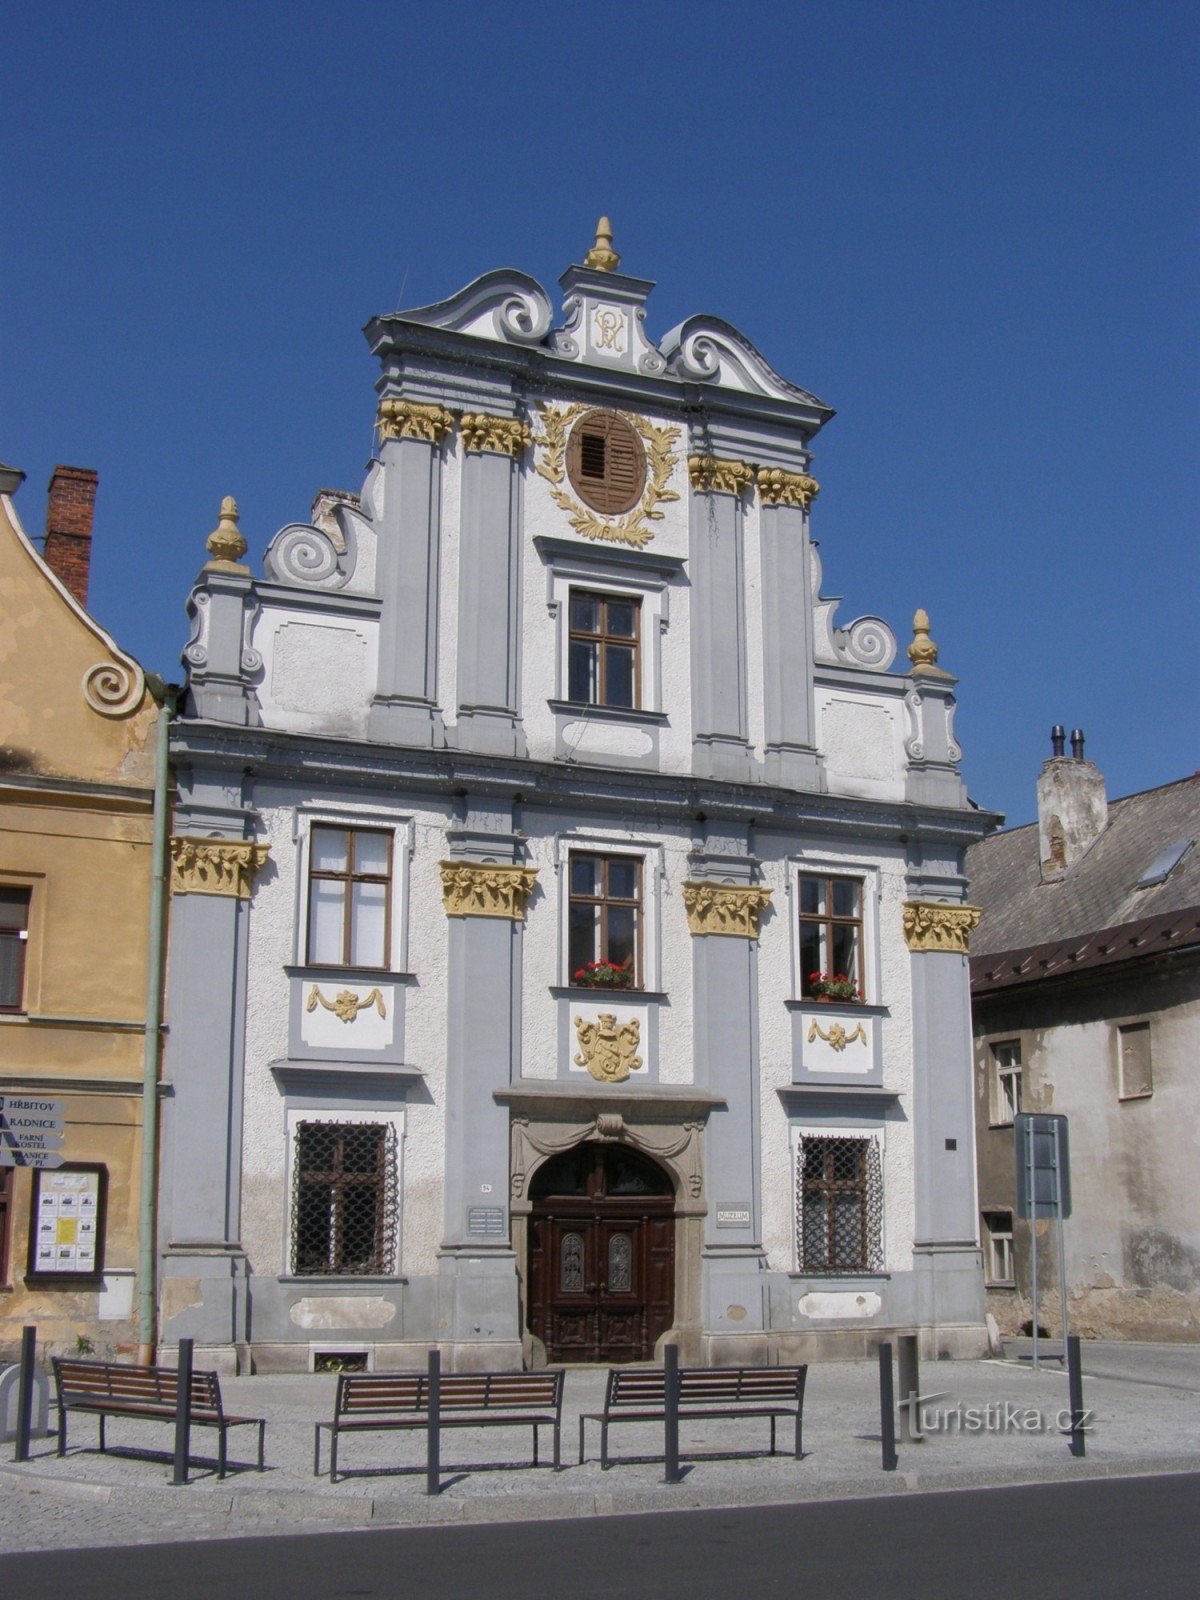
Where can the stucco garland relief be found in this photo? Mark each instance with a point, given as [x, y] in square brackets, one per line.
[837, 1037]
[346, 1004]
[485, 889]
[215, 866]
[725, 908]
[608, 1049]
[503, 436]
[407, 419]
[634, 527]
[930, 926]
[114, 688]
[680, 1147]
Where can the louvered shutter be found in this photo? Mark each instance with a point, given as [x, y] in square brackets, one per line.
[606, 463]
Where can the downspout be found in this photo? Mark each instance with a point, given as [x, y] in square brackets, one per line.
[165, 694]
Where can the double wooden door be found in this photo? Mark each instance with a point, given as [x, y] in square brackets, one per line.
[601, 1278]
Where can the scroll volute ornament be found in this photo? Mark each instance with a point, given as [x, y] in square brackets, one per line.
[606, 463]
[930, 925]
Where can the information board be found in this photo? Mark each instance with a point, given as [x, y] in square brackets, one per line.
[67, 1222]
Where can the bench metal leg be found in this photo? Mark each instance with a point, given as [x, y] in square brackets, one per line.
[62, 1429]
[557, 1446]
[262, 1437]
[604, 1446]
[317, 1451]
[333, 1455]
[799, 1420]
[772, 1435]
[221, 1436]
[535, 1444]
[103, 1419]
[581, 1420]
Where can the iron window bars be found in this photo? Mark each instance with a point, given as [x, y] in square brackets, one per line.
[839, 1204]
[344, 1199]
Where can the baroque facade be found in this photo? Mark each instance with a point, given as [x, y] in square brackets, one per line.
[570, 930]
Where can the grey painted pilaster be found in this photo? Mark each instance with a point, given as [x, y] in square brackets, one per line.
[220, 665]
[489, 628]
[790, 758]
[719, 719]
[405, 709]
[933, 755]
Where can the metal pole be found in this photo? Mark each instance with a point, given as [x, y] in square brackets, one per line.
[1033, 1239]
[671, 1414]
[1062, 1242]
[183, 1412]
[887, 1408]
[910, 1389]
[25, 1392]
[1078, 1441]
[433, 1430]
[152, 1037]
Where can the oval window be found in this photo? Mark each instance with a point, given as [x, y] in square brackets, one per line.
[606, 463]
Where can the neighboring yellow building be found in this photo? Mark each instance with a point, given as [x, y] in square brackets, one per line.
[77, 769]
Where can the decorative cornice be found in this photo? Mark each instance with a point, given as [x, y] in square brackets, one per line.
[725, 908]
[503, 436]
[215, 866]
[226, 543]
[711, 475]
[779, 488]
[932, 926]
[485, 889]
[406, 419]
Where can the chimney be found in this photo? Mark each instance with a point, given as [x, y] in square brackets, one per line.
[1072, 805]
[68, 548]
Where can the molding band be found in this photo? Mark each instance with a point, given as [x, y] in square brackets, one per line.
[725, 908]
[215, 866]
[473, 889]
[932, 926]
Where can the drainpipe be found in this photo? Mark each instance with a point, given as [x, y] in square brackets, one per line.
[165, 694]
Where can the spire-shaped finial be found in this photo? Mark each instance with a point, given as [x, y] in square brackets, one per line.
[602, 257]
[225, 543]
[922, 652]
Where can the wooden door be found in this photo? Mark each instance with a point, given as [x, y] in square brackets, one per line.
[601, 1277]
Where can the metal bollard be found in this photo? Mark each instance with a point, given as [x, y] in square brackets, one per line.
[887, 1408]
[25, 1392]
[433, 1428]
[671, 1414]
[908, 1363]
[183, 1412]
[1078, 1441]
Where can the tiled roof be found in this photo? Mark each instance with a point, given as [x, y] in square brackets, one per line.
[1168, 934]
[1099, 891]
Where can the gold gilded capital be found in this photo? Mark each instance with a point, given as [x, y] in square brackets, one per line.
[485, 889]
[406, 419]
[711, 475]
[503, 436]
[929, 925]
[779, 488]
[215, 866]
[725, 908]
[226, 543]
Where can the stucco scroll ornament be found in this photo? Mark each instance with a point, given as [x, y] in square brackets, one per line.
[725, 908]
[608, 1049]
[215, 866]
[483, 889]
[346, 1005]
[114, 688]
[634, 527]
[837, 1037]
[932, 926]
[303, 553]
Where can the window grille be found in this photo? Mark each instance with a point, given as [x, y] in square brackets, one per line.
[344, 1199]
[839, 1204]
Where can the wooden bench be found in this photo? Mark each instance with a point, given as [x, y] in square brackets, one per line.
[638, 1394]
[367, 1401]
[115, 1389]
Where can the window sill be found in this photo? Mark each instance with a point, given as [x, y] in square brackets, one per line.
[625, 714]
[999, 1127]
[570, 991]
[350, 974]
[341, 1280]
[848, 1275]
[859, 1008]
[1001, 1284]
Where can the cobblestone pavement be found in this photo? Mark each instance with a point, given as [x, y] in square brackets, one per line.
[987, 1422]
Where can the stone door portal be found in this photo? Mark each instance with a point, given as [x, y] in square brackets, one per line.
[601, 1255]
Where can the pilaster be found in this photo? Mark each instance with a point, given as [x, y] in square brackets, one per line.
[790, 757]
[718, 631]
[405, 709]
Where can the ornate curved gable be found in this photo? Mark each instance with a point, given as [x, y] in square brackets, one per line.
[505, 305]
[706, 349]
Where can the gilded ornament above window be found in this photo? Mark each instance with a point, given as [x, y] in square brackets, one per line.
[617, 463]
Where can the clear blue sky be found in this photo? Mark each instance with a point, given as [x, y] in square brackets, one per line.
[970, 227]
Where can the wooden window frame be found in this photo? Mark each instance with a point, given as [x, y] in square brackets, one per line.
[828, 921]
[601, 639]
[604, 900]
[1004, 1237]
[829, 1188]
[1134, 1025]
[21, 937]
[998, 1073]
[335, 1178]
[348, 879]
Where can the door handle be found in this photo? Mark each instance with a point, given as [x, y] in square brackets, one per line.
[603, 1287]
[589, 1288]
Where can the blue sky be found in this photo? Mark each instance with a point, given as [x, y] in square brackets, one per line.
[971, 228]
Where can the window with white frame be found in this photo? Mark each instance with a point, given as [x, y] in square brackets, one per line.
[14, 937]
[1006, 1081]
[998, 1248]
[345, 1198]
[1134, 1065]
[839, 1203]
[831, 933]
[349, 896]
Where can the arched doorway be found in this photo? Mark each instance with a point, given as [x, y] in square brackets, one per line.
[601, 1278]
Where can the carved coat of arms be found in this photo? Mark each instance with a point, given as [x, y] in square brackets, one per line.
[608, 1049]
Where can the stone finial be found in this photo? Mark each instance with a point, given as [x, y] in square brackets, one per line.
[602, 257]
[922, 652]
[225, 543]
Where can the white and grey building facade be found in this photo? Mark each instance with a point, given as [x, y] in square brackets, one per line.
[531, 806]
